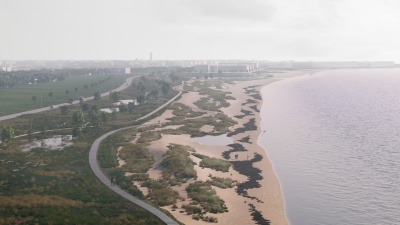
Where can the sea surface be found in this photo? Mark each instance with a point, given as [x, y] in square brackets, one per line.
[334, 141]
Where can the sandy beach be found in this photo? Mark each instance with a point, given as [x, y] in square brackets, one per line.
[256, 197]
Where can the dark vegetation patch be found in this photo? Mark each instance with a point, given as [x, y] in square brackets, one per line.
[235, 148]
[245, 113]
[254, 174]
[245, 140]
[254, 107]
[256, 96]
[257, 216]
[249, 101]
[251, 89]
[205, 195]
[178, 167]
[251, 125]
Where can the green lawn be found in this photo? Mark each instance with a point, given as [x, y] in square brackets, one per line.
[19, 99]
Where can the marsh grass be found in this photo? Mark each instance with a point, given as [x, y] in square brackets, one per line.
[149, 136]
[177, 164]
[206, 196]
[213, 163]
[216, 99]
[180, 110]
[220, 122]
[137, 157]
[160, 192]
[61, 182]
[221, 182]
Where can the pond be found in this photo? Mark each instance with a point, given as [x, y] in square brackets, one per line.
[57, 142]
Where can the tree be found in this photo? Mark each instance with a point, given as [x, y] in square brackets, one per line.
[64, 109]
[131, 106]
[165, 89]
[7, 134]
[95, 119]
[51, 94]
[95, 108]
[85, 107]
[70, 100]
[34, 99]
[75, 132]
[104, 117]
[141, 99]
[76, 89]
[78, 118]
[97, 96]
[154, 94]
[114, 96]
[67, 92]
[85, 86]
[123, 108]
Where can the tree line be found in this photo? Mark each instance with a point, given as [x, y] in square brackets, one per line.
[23, 77]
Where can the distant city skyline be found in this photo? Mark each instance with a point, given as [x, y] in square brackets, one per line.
[307, 30]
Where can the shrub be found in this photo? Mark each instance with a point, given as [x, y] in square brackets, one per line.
[138, 159]
[206, 196]
[215, 164]
[177, 163]
[221, 182]
[160, 193]
[149, 136]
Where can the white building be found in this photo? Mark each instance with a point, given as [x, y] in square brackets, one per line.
[226, 68]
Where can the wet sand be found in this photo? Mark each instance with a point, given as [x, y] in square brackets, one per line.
[257, 197]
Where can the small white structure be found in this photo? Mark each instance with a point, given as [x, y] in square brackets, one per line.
[109, 110]
[126, 102]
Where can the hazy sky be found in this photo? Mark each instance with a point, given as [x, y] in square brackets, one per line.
[200, 29]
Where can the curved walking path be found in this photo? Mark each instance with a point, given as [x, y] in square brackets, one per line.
[97, 171]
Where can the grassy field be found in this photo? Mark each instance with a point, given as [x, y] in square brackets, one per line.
[48, 186]
[19, 99]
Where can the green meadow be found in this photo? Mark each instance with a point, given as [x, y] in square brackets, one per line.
[19, 99]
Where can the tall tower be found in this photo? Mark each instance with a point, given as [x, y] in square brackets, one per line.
[151, 56]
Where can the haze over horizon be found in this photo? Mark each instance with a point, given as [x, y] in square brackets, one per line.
[351, 30]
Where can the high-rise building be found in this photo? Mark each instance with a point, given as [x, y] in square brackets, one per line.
[151, 56]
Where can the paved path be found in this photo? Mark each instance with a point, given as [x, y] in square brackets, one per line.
[97, 171]
[95, 146]
[127, 83]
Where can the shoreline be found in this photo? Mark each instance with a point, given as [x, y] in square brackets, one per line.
[259, 116]
[256, 197]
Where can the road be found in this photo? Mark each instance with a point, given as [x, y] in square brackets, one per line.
[95, 146]
[127, 83]
[97, 171]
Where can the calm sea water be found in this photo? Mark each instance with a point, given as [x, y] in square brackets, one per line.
[334, 140]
